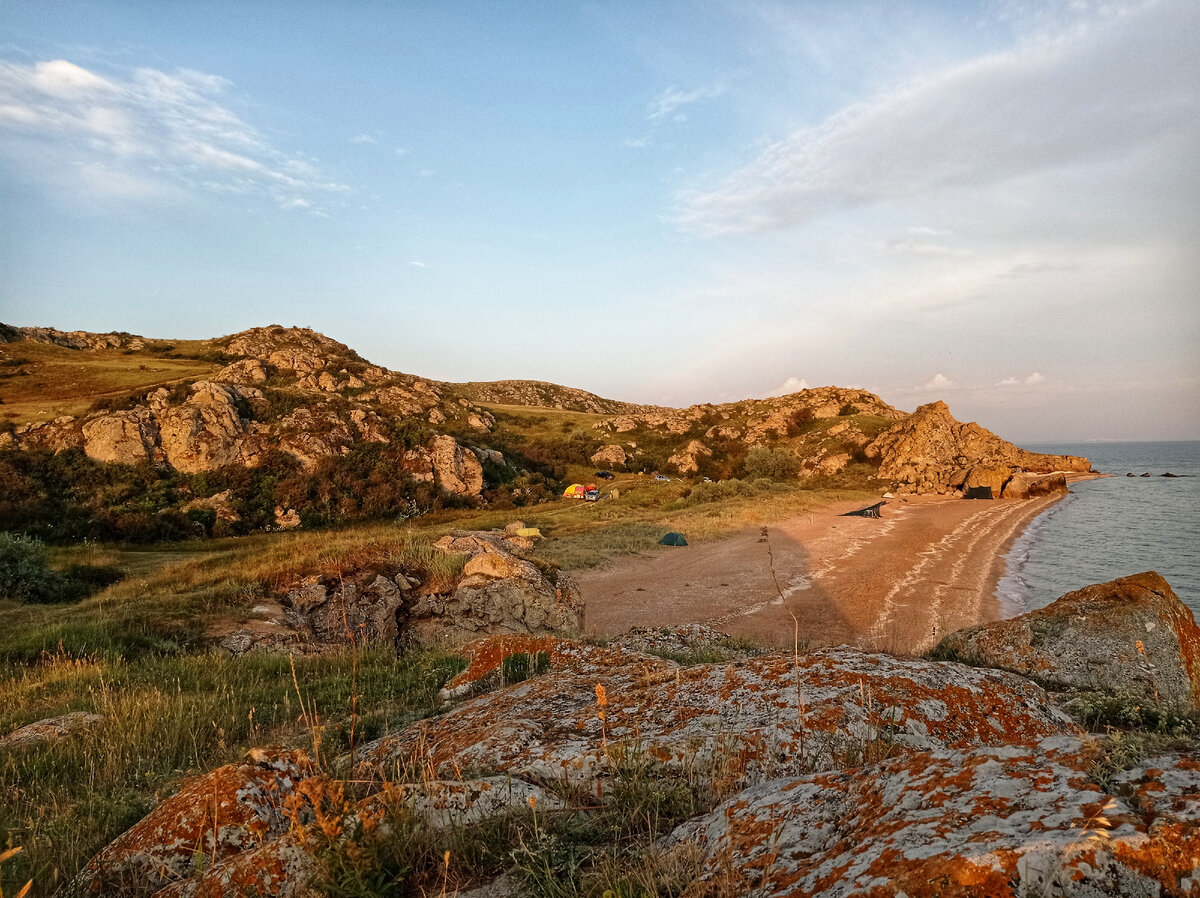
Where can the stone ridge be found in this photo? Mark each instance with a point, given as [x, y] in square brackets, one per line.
[71, 339]
[540, 394]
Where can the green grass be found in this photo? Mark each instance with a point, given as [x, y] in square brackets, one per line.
[168, 717]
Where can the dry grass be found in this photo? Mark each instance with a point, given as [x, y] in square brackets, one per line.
[52, 381]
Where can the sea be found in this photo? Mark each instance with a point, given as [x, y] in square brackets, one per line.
[1112, 526]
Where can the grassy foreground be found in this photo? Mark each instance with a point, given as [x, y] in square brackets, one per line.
[137, 653]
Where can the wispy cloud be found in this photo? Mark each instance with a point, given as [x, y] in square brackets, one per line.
[667, 104]
[1083, 96]
[364, 138]
[145, 133]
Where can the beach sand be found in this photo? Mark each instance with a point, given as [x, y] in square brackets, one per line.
[897, 583]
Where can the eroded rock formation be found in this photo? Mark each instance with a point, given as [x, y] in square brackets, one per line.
[930, 452]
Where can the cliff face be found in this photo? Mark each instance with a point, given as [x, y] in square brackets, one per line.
[930, 452]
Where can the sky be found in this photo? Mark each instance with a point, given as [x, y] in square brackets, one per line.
[995, 204]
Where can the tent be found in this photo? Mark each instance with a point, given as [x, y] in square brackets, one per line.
[531, 532]
[673, 539]
[871, 511]
[978, 492]
[574, 491]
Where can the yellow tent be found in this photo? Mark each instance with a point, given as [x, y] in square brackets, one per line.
[574, 491]
[530, 532]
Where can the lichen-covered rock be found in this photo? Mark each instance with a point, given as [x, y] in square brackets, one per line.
[1001, 821]
[1131, 636]
[215, 816]
[765, 716]
[51, 729]
[930, 452]
[244, 371]
[498, 593]
[363, 609]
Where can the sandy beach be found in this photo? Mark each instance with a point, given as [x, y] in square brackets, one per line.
[897, 583]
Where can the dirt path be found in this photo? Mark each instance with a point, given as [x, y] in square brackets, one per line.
[899, 583]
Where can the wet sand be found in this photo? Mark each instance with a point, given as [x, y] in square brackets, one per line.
[897, 583]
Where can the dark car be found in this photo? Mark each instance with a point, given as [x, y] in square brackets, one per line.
[605, 475]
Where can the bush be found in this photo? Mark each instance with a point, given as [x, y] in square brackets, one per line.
[848, 409]
[776, 464]
[25, 573]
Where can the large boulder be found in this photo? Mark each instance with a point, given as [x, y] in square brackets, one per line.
[610, 456]
[931, 452]
[498, 593]
[205, 431]
[215, 817]
[124, 437]
[1024, 485]
[1130, 637]
[1002, 821]
[772, 714]
[458, 470]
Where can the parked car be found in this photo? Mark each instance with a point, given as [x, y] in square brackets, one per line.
[605, 475]
[591, 495]
[662, 477]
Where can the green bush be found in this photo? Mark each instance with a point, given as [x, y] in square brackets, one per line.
[25, 573]
[776, 464]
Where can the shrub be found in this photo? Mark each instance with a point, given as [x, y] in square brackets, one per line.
[848, 409]
[25, 573]
[776, 464]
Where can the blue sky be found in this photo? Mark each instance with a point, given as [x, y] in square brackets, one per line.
[995, 204]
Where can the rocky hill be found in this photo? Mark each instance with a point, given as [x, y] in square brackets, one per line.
[539, 394]
[292, 392]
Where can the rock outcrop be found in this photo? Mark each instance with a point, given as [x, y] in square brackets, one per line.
[1131, 637]
[498, 593]
[52, 729]
[930, 452]
[1014, 820]
[835, 773]
[610, 456]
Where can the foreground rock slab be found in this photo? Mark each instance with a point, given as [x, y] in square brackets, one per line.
[1131, 637]
[995, 821]
[767, 716]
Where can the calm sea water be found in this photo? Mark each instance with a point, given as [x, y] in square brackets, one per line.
[1113, 526]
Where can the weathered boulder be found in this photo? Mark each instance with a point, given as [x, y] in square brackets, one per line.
[687, 460]
[125, 437]
[220, 503]
[1005, 821]
[244, 371]
[457, 469]
[216, 816]
[204, 432]
[927, 451]
[770, 716]
[498, 593]
[1131, 636]
[612, 456]
[363, 608]
[1027, 486]
[51, 729]
[992, 478]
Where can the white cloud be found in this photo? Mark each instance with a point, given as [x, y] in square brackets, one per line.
[636, 143]
[791, 385]
[364, 138]
[1035, 379]
[1089, 95]
[939, 381]
[147, 133]
[1008, 382]
[670, 101]
[415, 264]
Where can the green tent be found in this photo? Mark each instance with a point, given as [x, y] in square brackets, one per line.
[673, 539]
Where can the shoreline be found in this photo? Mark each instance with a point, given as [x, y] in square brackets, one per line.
[928, 566]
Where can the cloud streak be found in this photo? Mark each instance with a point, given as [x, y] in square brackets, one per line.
[145, 134]
[1089, 95]
[667, 104]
